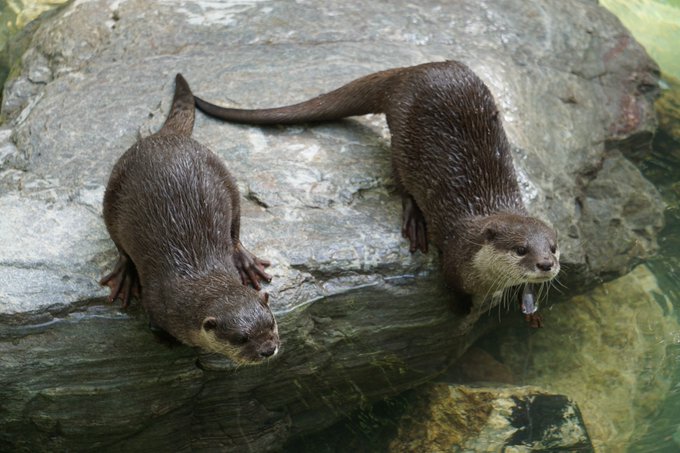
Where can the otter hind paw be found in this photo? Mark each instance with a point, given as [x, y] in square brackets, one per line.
[123, 281]
[250, 267]
[414, 227]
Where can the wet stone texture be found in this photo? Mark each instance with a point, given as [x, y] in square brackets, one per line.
[360, 317]
[487, 419]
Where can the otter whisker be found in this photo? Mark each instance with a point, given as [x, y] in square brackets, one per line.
[516, 294]
[556, 281]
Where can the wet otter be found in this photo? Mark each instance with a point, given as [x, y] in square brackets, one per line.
[172, 209]
[452, 163]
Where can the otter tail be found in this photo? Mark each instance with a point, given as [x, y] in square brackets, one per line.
[360, 97]
[180, 120]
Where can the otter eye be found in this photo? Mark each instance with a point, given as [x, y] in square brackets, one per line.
[210, 323]
[241, 339]
[521, 251]
[553, 249]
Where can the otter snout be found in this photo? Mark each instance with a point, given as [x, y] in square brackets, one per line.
[545, 265]
[268, 349]
[543, 269]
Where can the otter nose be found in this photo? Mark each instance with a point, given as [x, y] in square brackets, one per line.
[268, 351]
[545, 266]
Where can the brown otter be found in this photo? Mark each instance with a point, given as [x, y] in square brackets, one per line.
[452, 163]
[172, 209]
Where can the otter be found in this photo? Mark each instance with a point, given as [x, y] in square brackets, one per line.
[172, 209]
[452, 164]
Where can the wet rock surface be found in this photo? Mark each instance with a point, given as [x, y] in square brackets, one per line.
[360, 317]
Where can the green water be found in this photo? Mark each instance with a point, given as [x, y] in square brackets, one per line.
[663, 169]
[15, 15]
[656, 25]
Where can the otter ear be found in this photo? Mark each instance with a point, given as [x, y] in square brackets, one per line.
[210, 323]
[491, 229]
[489, 233]
[264, 298]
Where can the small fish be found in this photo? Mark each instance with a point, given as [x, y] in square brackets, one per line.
[530, 307]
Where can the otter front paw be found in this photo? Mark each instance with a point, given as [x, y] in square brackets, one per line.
[413, 226]
[250, 267]
[123, 281]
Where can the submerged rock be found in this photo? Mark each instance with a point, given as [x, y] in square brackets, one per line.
[360, 317]
[609, 351]
[481, 419]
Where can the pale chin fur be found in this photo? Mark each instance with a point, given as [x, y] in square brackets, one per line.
[496, 271]
[542, 277]
[207, 341]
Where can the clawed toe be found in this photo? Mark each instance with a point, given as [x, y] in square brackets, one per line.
[413, 226]
[250, 268]
[123, 281]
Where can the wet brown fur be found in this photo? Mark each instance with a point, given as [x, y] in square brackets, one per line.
[451, 161]
[172, 209]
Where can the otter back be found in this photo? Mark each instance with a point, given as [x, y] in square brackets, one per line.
[451, 162]
[172, 209]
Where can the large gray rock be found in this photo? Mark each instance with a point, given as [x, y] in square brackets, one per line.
[361, 318]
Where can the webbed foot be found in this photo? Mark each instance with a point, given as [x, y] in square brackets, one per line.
[123, 281]
[413, 226]
[250, 267]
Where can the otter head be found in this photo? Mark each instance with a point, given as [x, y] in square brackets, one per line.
[239, 325]
[513, 249]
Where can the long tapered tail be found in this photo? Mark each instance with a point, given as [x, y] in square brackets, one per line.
[180, 120]
[360, 97]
